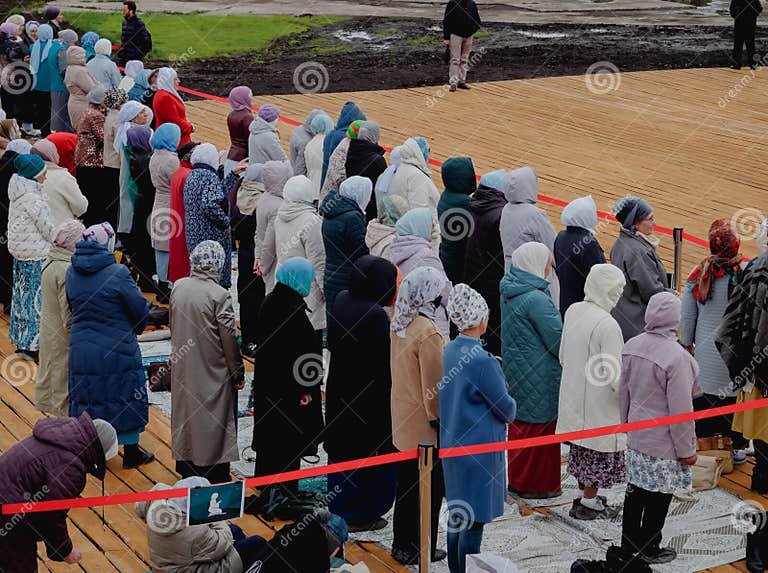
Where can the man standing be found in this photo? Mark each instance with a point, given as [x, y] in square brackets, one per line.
[135, 40]
[460, 23]
[744, 14]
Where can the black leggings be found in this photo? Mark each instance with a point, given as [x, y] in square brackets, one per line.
[644, 515]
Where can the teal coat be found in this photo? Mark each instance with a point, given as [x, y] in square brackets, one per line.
[453, 215]
[531, 328]
[48, 78]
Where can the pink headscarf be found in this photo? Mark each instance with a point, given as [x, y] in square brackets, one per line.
[68, 233]
[240, 98]
[103, 233]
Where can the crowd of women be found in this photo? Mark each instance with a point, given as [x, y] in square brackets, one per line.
[453, 317]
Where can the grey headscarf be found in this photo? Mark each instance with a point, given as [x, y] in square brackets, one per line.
[370, 131]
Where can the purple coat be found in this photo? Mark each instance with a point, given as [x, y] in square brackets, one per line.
[50, 464]
[657, 379]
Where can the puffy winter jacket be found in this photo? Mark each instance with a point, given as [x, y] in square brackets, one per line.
[453, 214]
[30, 223]
[63, 194]
[349, 113]
[413, 180]
[264, 143]
[531, 328]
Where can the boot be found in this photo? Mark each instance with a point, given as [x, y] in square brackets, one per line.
[134, 456]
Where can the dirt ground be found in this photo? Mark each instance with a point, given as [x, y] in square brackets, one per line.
[384, 53]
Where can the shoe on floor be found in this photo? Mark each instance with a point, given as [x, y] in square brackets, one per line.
[739, 457]
[439, 555]
[463, 86]
[374, 525]
[28, 355]
[584, 513]
[412, 558]
[660, 556]
[134, 456]
[452, 88]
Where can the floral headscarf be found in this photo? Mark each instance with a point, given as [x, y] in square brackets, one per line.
[208, 256]
[466, 307]
[724, 243]
[114, 98]
[419, 289]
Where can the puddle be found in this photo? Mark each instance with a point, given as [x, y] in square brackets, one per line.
[541, 35]
[350, 36]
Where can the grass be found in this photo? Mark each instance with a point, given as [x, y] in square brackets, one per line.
[430, 40]
[195, 36]
[482, 34]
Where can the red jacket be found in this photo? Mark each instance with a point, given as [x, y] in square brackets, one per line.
[178, 256]
[65, 144]
[169, 109]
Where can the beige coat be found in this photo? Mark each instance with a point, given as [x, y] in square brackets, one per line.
[313, 156]
[413, 179]
[162, 166]
[51, 389]
[61, 191]
[378, 238]
[111, 158]
[205, 366]
[417, 368]
[79, 82]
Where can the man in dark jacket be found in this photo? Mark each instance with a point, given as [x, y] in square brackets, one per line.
[135, 40]
[460, 23]
[50, 464]
[744, 14]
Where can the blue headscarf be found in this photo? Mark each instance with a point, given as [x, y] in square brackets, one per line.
[167, 137]
[494, 180]
[416, 222]
[296, 273]
[424, 147]
[321, 123]
[88, 40]
[41, 47]
[141, 79]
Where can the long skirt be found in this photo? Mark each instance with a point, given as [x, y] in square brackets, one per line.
[128, 194]
[534, 470]
[24, 331]
[596, 469]
[99, 192]
[363, 495]
[59, 113]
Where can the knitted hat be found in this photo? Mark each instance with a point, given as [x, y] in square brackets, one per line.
[353, 131]
[97, 94]
[29, 166]
[114, 98]
[269, 113]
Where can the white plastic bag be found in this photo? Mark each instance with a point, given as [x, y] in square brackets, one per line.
[489, 563]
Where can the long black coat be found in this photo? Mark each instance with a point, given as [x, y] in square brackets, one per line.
[6, 260]
[366, 159]
[576, 252]
[484, 266]
[288, 364]
[358, 417]
[143, 255]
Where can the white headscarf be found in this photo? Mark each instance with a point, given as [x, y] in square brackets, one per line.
[385, 179]
[419, 288]
[20, 146]
[125, 117]
[581, 212]
[103, 47]
[358, 189]
[207, 154]
[466, 307]
[165, 81]
[39, 52]
[133, 67]
[532, 258]
[299, 189]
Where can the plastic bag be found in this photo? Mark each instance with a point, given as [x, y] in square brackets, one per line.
[489, 563]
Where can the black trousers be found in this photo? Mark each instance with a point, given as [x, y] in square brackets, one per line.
[218, 473]
[644, 515]
[407, 508]
[761, 459]
[250, 287]
[744, 33]
[719, 425]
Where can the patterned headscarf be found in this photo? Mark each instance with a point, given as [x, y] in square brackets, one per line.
[419, 289]
[68, 233]
[103, 234]
[353, 131]
[114, 98]
[466, 307]
[20, 146]
[724, 243]
[208, 256]
[88, 41]
[296, 273]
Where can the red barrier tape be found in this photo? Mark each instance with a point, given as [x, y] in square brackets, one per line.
[64, 504]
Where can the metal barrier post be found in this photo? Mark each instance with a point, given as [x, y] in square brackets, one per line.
[677, 235]
[426, 459]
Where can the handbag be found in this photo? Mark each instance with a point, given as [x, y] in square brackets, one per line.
[717, 446]
[159, 376]
[707, 472]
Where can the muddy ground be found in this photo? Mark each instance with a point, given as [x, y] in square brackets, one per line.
[385, 53]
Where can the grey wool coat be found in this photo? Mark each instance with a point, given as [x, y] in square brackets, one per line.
[205, 366]
[646, 276]
[162, 166]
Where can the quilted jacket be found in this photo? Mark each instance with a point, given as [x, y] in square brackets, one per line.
[30, 223]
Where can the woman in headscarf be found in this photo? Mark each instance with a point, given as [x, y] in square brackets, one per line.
[29, 35]
[113, 101]
[484, 267]
[60, 189]
[108, 311]
[7, 169]
[358, 393]
[60, 97]
[459, 179]
[16, 87]
[89, 158]
[300, 137]
[140, 242]
[706, 295]
[178, 255]
[65, 143]
[417, 369]
[298, 233]
[79, 82]
[319, 126]
[576, 250]
[384, 183]
[168, 105]
[238, 122]
[365, 157]
[412, 249]
[205, 380]
[635, 253]
[51, 391]
[131, 114]
[140, 87]
[162, 166]
[343, 229]
[590, 355]
[274, 175]
[263, 139]
[102, 68]
[88, 43]
[30, 234]
[54, 18]
[473, 390]
[381, 231]
[132, 69]
[413, 179]
[287, 379]
[531, 328]
[206, 209]
[43, 63]
[337, 164]
[349, 113]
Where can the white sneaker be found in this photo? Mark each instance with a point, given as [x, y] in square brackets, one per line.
[739, 457]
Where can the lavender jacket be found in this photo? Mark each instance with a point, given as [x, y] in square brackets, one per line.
[657, 379]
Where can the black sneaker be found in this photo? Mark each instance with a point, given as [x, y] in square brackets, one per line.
[661, 555]
[134, 456]
[412, 558]
[463, 86]
[584, 513]
[374, 525]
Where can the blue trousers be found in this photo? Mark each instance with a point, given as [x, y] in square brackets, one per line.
[464, 538]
